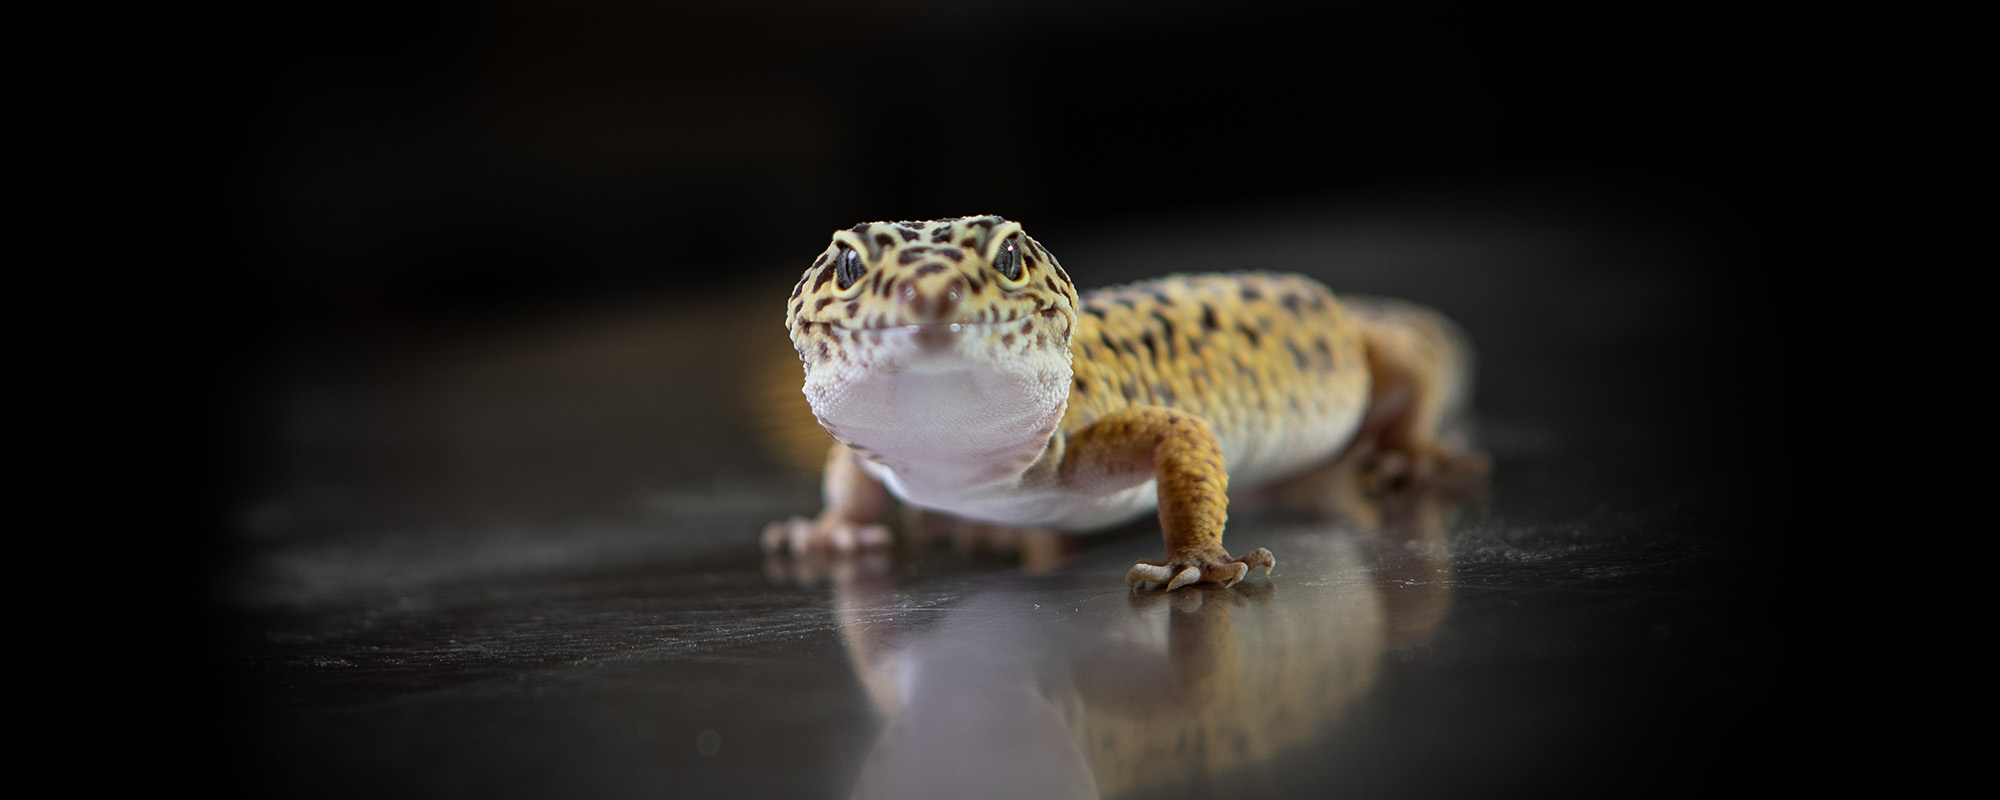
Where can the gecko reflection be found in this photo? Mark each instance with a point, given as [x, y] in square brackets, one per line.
[1021, 691]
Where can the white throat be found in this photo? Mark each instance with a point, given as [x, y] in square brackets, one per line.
[940, 419]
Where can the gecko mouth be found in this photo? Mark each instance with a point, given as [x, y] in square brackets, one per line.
[943, 327]
[945, 344]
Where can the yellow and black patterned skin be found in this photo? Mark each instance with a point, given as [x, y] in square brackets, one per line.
[959, 370]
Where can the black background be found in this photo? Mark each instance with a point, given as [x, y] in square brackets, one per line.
[383, 162]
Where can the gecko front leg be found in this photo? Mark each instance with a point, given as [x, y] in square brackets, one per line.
[852, 520]
[1179, 451]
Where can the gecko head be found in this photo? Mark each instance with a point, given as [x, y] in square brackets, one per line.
[943, 294]
[925, 339]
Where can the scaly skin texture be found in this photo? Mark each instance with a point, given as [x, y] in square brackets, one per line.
[958, 369]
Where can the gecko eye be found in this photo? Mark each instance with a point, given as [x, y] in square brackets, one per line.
[848, 267]
[1008, 260]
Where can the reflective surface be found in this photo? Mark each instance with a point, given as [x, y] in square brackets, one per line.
[518, 559]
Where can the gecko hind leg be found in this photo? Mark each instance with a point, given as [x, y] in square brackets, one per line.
[1421, 368]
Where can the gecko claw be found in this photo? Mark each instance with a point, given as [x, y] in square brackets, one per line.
[1147, 573]
[1174, 575]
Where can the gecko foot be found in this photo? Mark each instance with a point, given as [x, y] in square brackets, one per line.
[1399, 469]
[801, 535]
[1182, 572]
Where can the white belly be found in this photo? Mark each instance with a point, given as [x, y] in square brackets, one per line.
[1010, 503]
[1252, 461]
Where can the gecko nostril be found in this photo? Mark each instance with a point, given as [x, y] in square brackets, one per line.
[931, 303]
[951, 295]
[914, 302]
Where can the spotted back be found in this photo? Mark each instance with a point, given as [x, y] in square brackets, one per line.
[1273, 362]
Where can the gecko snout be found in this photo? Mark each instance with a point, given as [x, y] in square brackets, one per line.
[931, 298]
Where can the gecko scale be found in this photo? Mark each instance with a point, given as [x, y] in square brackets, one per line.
[959, 370]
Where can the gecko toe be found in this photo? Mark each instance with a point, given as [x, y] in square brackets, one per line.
[1179, 573]
[1143, 572]
[778, 534]
[799, 535]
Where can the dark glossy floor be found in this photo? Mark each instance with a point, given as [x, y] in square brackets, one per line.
[517, 559]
